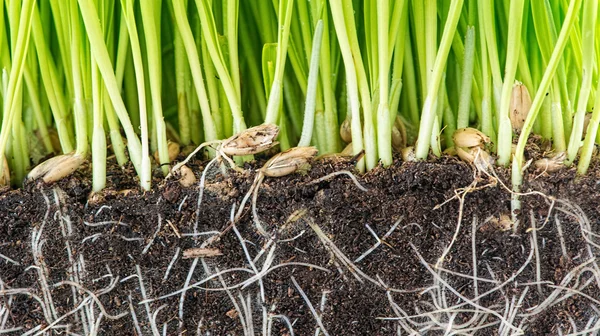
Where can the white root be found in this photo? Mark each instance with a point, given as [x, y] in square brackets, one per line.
[379, 241]
[93, 296]
[455, 292]
[232, 298]
[73, 272]
[356, 272]
[146, 305]
[173, 260]
[197, 284]
[260, 282]
[147, 248]
[310, 306]
[337, 173]
[136, 324]
[536, 250]
[96, 224]
[201, 193]
[42, 270]
[561, 237]
[185, 288]
[286, 321]
[322, 309]
[10, 260]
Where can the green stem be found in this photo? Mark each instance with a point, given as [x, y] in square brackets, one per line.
[590, 137]
[100, 53]
[429, 107]
[16, 74]
[311, 96]
[517, 174]
[37, 110]
[183, 25]
[51, 84]
[351, 80]
[151, 23]
[209, 32]
[510, 70]
[558, 131]
[98, 135]
[384, 122]
[327, 67]
[464, 102]
[181, 69]
[370, 133]
[79, 108]
[283, 35]
[590, 16]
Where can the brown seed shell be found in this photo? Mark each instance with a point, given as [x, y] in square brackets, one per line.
[66, 168]
[173, 149]
[552, 164]
[520, 104]
[398, 134]
[347, 151]
[288, 162]
[41, 169]
[56, 168]
[188, 178]
[346, 131]
[4, 174]
[408, 154]
[475, 155]
[469, 137]
[251, 141]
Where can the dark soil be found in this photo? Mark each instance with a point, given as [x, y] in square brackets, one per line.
[109, 234]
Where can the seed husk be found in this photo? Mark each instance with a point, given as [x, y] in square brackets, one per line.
[4, 174]
[475, 155]
[450, 151]
[502, 223]
[56, 168]
[408, 154]
[469, 137]
[347, 151]
[346, 131]
[251, 141]
[552, 164]
[187, 178]
[586, 122]
[288, 162]
[398, 134]
[173, 148]
[520, 104]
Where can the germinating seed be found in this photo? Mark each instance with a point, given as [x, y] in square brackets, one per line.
[56, 168]
[5, 174]
[475, 155]
[552, 164]
[251, 141]
[288, 162]
[398, 135]
[173, 149]
[346, 131]
[520, 103]
[347, 150]
[187, 178]
[470, 137]
[408, 154]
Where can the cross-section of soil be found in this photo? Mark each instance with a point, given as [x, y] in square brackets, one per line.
[424, 250]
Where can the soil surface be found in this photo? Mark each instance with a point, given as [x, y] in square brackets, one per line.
[442, 254]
